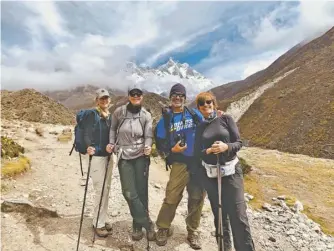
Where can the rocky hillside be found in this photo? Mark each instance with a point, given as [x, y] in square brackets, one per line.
[295, 112]
[30, 105]
[81, 97]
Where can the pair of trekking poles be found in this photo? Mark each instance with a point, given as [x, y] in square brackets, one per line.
[219, 177]
[103, 186]
[85, 195]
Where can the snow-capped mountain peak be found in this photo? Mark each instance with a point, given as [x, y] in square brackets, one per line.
[161, 78]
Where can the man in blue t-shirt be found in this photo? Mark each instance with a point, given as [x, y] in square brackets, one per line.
[179, 147]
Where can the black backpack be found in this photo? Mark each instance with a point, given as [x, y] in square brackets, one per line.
[79, 144]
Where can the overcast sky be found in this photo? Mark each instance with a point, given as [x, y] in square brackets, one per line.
[52, 45]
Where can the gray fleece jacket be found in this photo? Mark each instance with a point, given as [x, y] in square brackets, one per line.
[135, 132]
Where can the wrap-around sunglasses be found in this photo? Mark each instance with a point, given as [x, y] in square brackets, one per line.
[136, 93]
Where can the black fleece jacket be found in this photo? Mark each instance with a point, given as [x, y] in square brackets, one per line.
[222, 129]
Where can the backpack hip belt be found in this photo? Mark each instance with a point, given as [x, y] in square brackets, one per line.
[226, 170]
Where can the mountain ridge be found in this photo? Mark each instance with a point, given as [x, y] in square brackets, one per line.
[297, 55]
[296, 113]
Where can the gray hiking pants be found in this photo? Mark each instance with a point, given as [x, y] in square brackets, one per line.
[233, 209]
[134, 180]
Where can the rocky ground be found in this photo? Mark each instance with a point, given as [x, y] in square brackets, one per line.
[41, 209]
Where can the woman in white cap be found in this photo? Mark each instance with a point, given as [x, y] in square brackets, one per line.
[131, 136]
[96, 134]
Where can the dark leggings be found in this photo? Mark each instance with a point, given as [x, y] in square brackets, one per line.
[233, 209]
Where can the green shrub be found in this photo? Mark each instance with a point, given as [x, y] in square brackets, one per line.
[9, 148]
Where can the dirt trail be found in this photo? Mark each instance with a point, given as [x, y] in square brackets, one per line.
[55, 183]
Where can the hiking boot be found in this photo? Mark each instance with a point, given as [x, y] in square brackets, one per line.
[108, 226]
[194, 240]
[137, 233]
[162, 236]
[101, 232]
[151, 232]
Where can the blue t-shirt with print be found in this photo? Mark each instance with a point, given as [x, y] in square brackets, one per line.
[180, 124]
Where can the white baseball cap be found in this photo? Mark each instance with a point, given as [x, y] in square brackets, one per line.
[102, 93]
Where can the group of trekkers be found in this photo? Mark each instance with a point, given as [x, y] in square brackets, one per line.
[197, 145]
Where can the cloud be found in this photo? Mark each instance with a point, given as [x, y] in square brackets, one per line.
[266, 39]
[313, 18]
[64, 47]
[59, 44]
[178, 44]
[47, 16]
[58, 56]
[241, 69]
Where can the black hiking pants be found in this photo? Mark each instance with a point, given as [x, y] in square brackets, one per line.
[233, 208]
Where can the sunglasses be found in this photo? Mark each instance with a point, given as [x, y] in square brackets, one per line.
[202, 103]
[104, 98]
[135, 93]
[174, 95]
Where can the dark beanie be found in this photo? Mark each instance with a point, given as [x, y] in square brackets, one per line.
[178, 88]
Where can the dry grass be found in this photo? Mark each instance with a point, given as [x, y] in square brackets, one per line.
[10, 168]
[4, 188]
[154, 152]
[299, 177]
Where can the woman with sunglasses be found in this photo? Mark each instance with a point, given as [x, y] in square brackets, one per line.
[131, 138]
[219, 136]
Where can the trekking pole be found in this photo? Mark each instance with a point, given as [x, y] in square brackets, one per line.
[148, 215]
[84, 201]
[81, 165]
[220, 223]
[102, 192]
[70, 153]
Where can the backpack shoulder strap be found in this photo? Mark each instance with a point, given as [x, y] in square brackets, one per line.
[193, 114]
[122, 118]
[167, 117]
[142, 119]
[97, 117]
